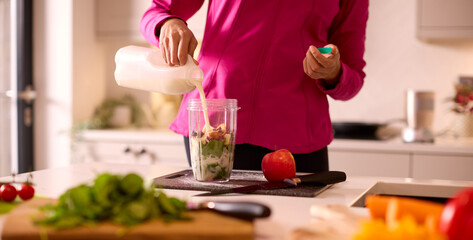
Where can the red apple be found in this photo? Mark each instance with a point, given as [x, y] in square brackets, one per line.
[278, 165]
[457, 217]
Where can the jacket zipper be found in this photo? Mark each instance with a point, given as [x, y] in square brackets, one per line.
[259, 77]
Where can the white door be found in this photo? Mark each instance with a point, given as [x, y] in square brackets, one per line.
[16, 91]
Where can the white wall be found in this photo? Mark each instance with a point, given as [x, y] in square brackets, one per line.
[88, 61]
[68, 69]
[397, 60]
[53, 81]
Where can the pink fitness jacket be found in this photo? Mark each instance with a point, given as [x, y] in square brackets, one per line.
[253, 51]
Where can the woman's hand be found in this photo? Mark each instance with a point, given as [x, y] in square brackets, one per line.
[176, 41]
[324, 66]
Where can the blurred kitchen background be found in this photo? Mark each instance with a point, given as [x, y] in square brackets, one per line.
[410, 44]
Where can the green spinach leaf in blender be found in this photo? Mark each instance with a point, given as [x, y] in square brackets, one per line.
[213, 147]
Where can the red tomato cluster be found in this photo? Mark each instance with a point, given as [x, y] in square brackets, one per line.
[8, 192]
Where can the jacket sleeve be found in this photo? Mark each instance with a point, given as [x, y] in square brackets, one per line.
[161, 10]
[348, 32]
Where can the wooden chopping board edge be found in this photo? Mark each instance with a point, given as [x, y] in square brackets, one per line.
[205, 225]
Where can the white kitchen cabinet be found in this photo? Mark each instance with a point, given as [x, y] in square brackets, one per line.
[442, 167]
[447, 159]
[370, 163]
[440, 19]
[450, 159]
[120, 19]
[139, 147]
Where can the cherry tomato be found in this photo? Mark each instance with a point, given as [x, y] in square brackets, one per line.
[457, 217]
[26, 192]
[8, 192]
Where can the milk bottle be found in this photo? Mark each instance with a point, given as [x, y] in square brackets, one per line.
[144, 68]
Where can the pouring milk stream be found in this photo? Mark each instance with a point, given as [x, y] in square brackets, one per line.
[144, 68]
[211, 148]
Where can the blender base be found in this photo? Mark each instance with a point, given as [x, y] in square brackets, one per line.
[422, 135]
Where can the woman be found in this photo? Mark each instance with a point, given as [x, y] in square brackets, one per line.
[264, 54]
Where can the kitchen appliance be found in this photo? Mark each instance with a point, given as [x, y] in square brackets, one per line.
[356, 130]
[436, 192]
[212, 131]
[321, 178]
[419, 116]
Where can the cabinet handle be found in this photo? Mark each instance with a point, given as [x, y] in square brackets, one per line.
[136, 153]
[143, 151]
[127, 149]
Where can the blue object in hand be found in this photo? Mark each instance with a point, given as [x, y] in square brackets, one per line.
[325, 50]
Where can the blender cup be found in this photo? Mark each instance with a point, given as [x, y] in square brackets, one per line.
[212, 147]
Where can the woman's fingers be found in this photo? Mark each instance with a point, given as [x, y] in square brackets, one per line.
[192, 46]
[322, 60]
[175, 39]
[183, 48]
[322, 66]
[312, 66]
[176, 42]
[162, 46]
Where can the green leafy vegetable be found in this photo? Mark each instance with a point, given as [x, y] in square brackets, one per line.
[213, 147]
[6, 207]
[222, 173]
[219, 171]
[120, 199]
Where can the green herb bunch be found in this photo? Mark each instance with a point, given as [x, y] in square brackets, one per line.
[121, 199]
[104, 112]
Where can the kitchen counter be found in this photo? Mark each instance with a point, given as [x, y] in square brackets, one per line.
[447, 158]
[442, 146]
[288, 213]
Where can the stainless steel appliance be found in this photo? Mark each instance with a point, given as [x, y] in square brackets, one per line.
[419, 116]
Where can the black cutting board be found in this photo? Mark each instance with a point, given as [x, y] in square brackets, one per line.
[184, 180]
